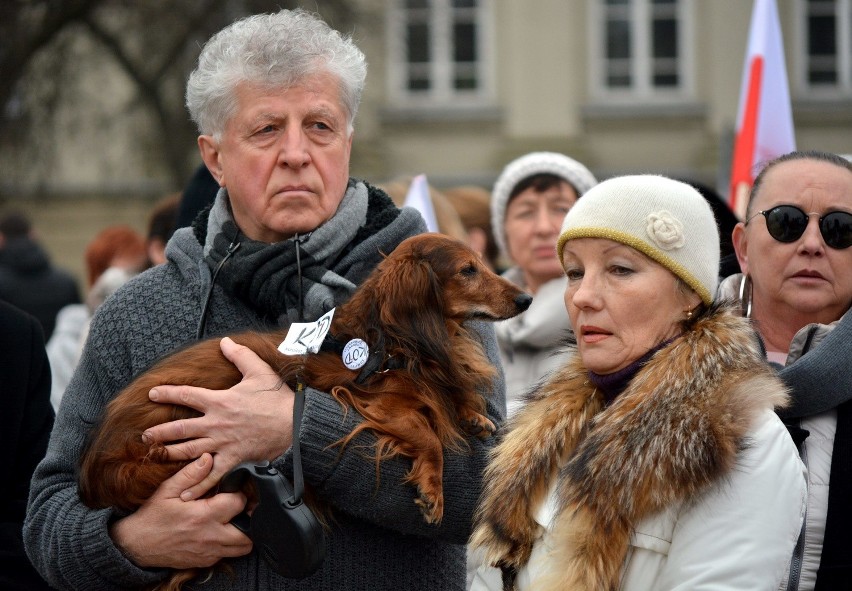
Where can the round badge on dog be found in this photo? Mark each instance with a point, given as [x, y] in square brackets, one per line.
[355, 354]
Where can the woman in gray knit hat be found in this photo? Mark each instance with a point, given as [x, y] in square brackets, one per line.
[529, 201]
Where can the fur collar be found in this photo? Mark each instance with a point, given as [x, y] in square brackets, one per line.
[675, 430]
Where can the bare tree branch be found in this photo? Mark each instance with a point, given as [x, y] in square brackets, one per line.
[27, 27]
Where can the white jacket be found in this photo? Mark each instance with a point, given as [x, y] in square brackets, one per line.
[733, 535]
[688, 480]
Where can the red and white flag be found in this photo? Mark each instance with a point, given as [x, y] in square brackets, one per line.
[765, 117]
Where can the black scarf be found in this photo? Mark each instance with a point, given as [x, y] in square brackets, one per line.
[332, 259]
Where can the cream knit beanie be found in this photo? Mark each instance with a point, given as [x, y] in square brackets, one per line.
[666, 220]
[574, 173]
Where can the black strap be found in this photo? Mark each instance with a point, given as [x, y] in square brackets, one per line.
[202, 322]
[298, 410]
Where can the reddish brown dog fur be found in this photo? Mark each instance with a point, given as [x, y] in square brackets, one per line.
[412, 306]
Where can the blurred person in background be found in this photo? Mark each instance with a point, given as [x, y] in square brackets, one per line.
[473, 205]
[795, 252]
[113, 256]
[162, 223]
[28, 280]
[198, 195]
[25, 425]
[115, 246]
[528, 203]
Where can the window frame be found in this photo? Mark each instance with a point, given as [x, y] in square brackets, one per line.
[442, 94]
[642, 88]
[843, 29]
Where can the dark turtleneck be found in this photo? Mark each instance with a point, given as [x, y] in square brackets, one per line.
[613, 384]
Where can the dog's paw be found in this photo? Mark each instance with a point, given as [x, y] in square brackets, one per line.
[477, 424]
[431, 507]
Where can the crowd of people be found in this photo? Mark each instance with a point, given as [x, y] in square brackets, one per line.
[673, 410]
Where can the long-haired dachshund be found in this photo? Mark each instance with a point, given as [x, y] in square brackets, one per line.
[424, 393]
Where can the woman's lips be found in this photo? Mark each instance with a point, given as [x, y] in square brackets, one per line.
[807, 274]
[593, 334]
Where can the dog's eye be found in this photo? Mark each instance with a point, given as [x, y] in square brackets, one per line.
[469, 270]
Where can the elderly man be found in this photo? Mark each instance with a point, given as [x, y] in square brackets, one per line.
[289, 236]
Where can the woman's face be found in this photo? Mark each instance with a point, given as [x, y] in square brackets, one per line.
[805, 280]
[621, 303]
[533, 221]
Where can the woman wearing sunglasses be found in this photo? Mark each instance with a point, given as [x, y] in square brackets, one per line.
[796, 284]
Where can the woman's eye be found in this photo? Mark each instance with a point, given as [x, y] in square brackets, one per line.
[573, 274]
[620, 270]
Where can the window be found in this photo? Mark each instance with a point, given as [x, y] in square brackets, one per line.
[640, 50]
[439, 51]
[826, 31]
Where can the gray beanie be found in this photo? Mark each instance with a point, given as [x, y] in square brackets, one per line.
[574, 173]
[666, 220]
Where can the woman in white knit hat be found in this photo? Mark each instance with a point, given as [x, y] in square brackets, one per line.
[529, 201]
[652, 459]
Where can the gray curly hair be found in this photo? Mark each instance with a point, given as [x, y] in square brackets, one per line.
[275, 51]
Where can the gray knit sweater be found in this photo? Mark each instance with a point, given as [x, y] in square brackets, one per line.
[378, 540]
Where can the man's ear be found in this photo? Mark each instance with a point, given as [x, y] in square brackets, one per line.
[739, 239]
[210, 154]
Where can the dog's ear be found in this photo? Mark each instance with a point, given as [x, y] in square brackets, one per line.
[410, 309]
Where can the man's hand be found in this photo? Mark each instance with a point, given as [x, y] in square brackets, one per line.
[252, 421]
[169, 532]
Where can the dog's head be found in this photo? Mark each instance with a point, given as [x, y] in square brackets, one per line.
[450, 276]
[419, 295]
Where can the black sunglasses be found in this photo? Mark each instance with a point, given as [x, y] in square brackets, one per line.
[787, 223]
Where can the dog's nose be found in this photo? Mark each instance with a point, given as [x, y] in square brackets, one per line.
[523, 301]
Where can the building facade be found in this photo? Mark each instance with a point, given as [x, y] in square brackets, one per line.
[457, 88]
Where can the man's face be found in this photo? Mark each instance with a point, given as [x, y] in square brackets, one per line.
[284, 157]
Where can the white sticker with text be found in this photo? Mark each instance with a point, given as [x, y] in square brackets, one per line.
[306, 337]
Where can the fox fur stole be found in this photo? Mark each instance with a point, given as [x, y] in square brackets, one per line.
[676, 429]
